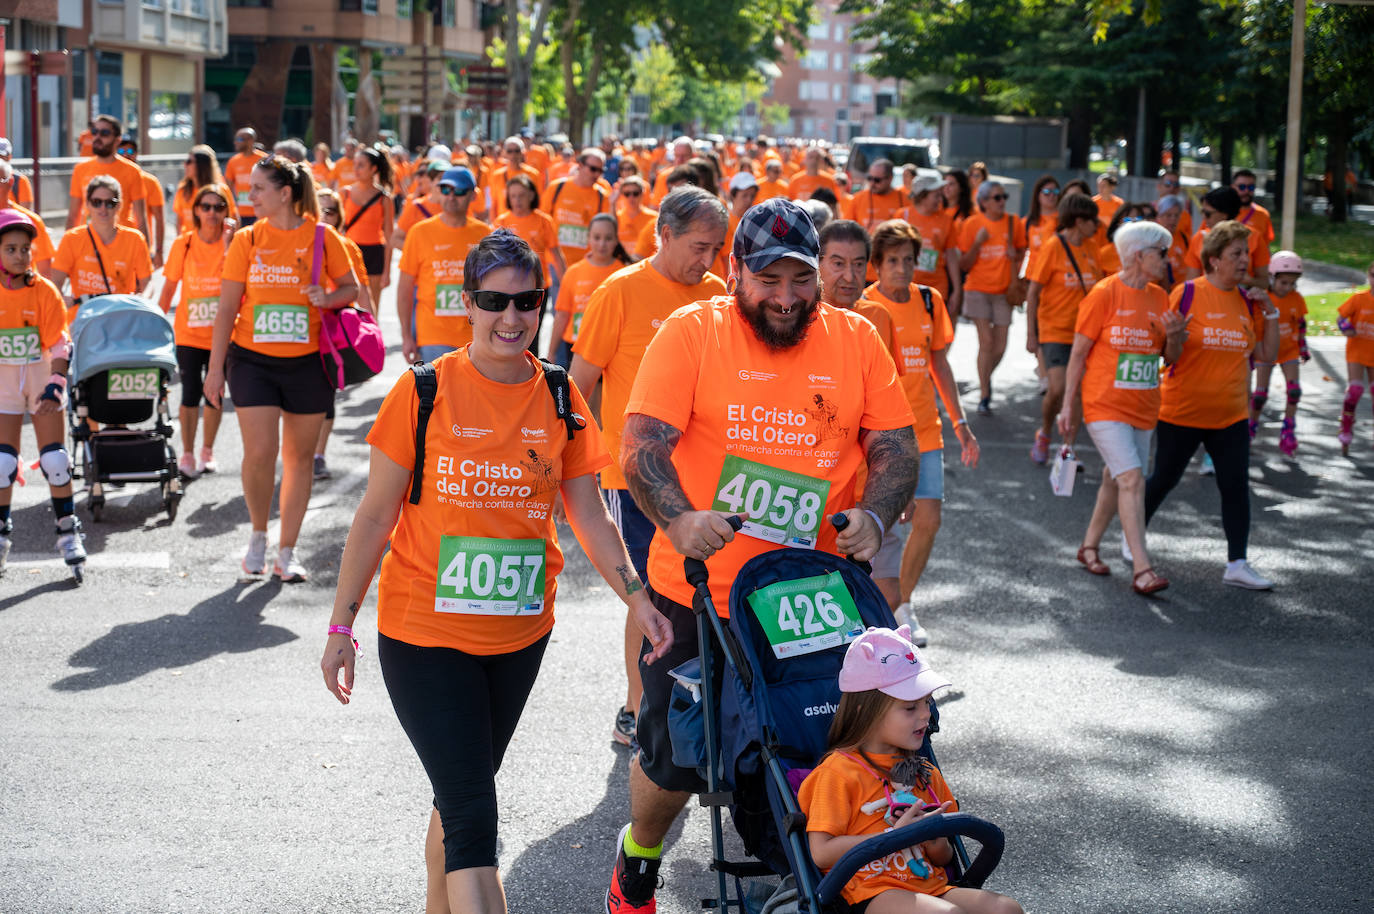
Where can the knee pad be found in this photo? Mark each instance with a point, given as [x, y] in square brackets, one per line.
[1258, 399]
[1353, 394]
[56, 464]
[9, 466]
[1294, 393]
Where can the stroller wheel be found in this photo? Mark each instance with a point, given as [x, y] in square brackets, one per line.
[171, 503]
[97, 506]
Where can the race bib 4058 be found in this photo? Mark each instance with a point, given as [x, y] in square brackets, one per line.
[783, 507]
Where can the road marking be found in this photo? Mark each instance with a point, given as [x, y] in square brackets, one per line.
[143, 561]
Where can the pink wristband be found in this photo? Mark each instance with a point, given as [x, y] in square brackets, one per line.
[345, 630]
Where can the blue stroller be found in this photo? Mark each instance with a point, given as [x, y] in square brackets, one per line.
[792, 614]
[123, 358]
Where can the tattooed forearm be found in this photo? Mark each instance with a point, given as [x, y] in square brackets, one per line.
[629, 579]
[353, 608]
[892, 467]
[646, 456]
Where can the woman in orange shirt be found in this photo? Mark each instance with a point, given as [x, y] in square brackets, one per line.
[201, 170]
[101, 257]
[267, 335]
[1042, 221]
[605, 255]
[195, 263]
[1169, 211]
[465, 605]
[370, 216]
[1205, 396]
[631, 213]
[992, 243]
[34, 352]
[524, 217]
[1124, 325]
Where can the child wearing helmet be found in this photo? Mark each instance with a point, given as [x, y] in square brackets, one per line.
[1284, 269]
[1356, 321]
[34, 350]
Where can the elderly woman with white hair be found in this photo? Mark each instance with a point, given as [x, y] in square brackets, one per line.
[1169, 212]
[1124, 326]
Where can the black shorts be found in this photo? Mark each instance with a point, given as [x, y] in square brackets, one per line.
[651, 728]
[1056, 354]
[374, 258]
[295, 385]
[193, 362]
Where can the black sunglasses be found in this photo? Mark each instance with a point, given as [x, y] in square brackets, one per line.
[596, 169]
[631, 193]
[496, 302]
[998, 197]
[104, 131]
[448, 190]
[212, 207]
[104, 202]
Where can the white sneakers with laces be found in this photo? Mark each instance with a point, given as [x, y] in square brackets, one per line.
[1240, 574]
[288, 570]
[906, 615]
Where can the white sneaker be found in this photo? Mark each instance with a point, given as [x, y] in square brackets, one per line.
[1241, 574]
[186, 466]
[288, 569]
[4, 552]
[906, 615]
[255, 559]
[206, 462]
[1126, 551]
[69, 540]
[1207, 469]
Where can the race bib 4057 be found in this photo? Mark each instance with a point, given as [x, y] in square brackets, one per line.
[487, 576]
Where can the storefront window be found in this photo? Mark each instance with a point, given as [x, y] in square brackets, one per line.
[170, 116]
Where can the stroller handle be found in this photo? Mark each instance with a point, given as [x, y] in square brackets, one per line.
[695, 569]
[944, 825]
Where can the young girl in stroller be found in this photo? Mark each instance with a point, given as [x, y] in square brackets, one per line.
[873, 780]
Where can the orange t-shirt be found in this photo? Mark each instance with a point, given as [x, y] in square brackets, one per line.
[1257, 218]
[322, 172]
[1259, 251]
[153, 195]
[125, 261]
[1121, 377]
[559, 169]
[23, 190]
[368, 227]
[1061, 289]
[538, 231]
[937, 237]
[572, 207]
[790, 414]
[238, 173]
[621, 319]
[40, 306]
[1108, 260]
[342, 173]
[1359, 310]
[181, 206]
[42, 247]
[918, 335]
[1176, 268]
[129, 176]
[647, 244]
[833, 797]
[869, 209]
[1209, 386]
[631, 226]
[464, 564]
[197, 266]
[537, 157]
[496, 186]
[881, 320]
[770, 189]
[275, 318]
[992, 272]
[417, 211]
[803, 186]
[582, 279]
[1292, 312]
[722, 265]
[355, 258]
[434, 254]
[1037, 234]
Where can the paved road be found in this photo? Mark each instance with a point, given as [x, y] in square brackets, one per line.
[166, 743]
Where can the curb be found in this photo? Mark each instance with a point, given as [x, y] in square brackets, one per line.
[1335, 272]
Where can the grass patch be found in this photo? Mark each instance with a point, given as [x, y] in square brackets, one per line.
[1321, 310]
[1346, 244]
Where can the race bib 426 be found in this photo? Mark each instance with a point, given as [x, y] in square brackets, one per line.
[783, 507]
[486, 576]
[806, 615]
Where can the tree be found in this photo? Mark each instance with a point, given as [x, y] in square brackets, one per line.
[1338, 84]
[679, 98]
[523, 38]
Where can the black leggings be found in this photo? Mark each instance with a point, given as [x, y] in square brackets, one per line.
[1229, 448]
[460, 711]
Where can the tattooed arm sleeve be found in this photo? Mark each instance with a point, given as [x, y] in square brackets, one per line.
[646, 456]
[893, 462]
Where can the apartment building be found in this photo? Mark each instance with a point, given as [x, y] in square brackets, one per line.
[281, 72]
[142, 61]
[826, 90]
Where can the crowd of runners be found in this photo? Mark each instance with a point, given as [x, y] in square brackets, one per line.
[736, 333]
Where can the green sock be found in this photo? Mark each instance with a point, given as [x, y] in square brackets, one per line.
[646, 853]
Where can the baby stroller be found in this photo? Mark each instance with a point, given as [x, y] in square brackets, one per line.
[123, 357]
[754, 742]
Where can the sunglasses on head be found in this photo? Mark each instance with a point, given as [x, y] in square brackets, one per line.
[448, 190]
[1245, 187]
[496, 302]
[212, 207]
[103, 202]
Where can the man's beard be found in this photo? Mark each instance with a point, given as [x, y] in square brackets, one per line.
[102, 151]
[756, 316]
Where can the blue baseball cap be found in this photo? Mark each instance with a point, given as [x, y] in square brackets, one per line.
[774, 229]
[460, 179]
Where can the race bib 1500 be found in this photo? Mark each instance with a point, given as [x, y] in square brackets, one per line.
[485, 576]
[783, 507]
[807, 615]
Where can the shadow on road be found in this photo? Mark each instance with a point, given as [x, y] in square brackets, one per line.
[227, 623]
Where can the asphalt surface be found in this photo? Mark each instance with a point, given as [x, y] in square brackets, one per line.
[167, 745]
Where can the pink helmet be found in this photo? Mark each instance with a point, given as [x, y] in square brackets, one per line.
[1285, 262]
[13, 219]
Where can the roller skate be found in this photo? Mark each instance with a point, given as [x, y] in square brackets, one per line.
[1288, 439]
[5, 530]
[1347, 433]
[70, 545]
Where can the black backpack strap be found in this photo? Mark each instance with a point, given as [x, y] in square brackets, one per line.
[359, 214]
[1072, 261]
[926, 297]
[558, 189]
[427, 388]
[556, 376]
